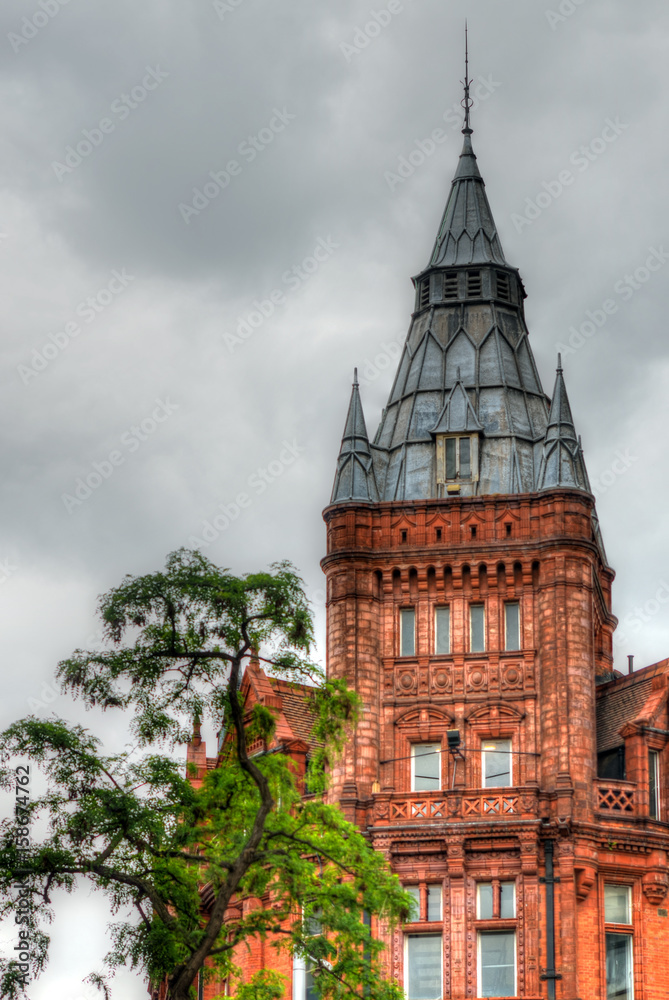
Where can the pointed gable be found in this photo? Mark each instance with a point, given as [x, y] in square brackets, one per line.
[458, 414]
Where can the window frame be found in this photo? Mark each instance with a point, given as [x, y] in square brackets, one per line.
[437, 609]
[407, 972]
[490, 750]
[507, 648]
[654, 784]
[622, 930]
[423, 901]
[629, 941]
[628, 893]
[473, 458]
[496, 886]
[491, 932]
[472, 605]
[402, 612]
[438, 753]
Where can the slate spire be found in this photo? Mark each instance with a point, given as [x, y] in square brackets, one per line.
[562, 462]
[354, 479]
[467, 234]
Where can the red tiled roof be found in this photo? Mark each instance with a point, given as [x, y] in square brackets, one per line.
[621, 700]
[298, 708]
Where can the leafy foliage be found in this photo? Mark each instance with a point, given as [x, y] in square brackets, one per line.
[185, 853]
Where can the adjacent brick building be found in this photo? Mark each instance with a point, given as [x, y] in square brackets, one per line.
[514, 781]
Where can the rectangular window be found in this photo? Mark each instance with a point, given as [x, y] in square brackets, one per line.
[434, 902]
[425, 767]
[477, 628]
[619, 967]
[497, 963]
[422, 968]
[507, 900]
[654, 784]
[451, 464]
[611, 764]
[512, 625]
[442, 631]
[414, 891]
[485, 905]
[496, 763]
[457, 458]
[484, 901]
[465, 458]
[424, 293]
[618, 904]
[408, 632]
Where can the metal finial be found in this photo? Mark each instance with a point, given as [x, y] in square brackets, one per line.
[559, 364]
[355, 376]
[457, 374]
[467, 102]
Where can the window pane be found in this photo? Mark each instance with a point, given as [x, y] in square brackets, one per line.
[512, 626]
[617, 909]
[415, 892]
[309, 987]
[619, 967]
[496, 763]
[477, 628]
[407, 632]
[484, 901]
[434, 902]
[442, 627]
[507, 900]
[653, 784]
[426, 767]
[497, 952]
[465, 463]
[423, 977]
[611, 764]
[450, 457]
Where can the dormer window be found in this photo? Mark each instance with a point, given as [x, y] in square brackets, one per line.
[473, 284]
[503, 286]
[457, 458]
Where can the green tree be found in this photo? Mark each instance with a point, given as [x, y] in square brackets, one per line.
[133, 824]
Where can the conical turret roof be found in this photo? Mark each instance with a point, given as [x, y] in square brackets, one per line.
[467, 234]
[562, 462]
[354, 479]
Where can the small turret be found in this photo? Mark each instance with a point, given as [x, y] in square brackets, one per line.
[355, 472]
[562, 462]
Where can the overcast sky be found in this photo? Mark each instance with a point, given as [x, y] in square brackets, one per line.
[134, 353]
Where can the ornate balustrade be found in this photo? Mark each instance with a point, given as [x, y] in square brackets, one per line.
[615, 796]
[415, 807]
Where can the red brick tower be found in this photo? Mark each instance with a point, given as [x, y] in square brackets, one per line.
[469, 604]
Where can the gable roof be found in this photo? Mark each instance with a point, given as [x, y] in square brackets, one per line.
[292, 702]
[639, 695]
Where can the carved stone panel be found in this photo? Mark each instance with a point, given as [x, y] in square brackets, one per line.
[441, 680]
[477, 677]
[512, 676]
[406, 681]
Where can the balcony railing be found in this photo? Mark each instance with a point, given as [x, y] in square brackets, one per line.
[455, 804]
[615, 796]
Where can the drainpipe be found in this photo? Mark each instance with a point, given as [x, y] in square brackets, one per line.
[550, 975]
